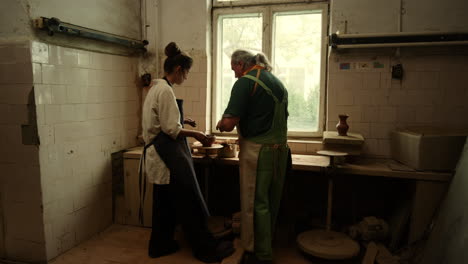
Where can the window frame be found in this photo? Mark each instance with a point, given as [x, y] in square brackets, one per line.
[232, 3]
[268, 11]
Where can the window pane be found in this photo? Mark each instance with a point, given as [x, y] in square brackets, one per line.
[296, 57]
[235, 32]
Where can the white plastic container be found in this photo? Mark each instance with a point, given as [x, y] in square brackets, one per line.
[428, 148]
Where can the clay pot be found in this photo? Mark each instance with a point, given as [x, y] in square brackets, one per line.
[211, 140]
[342, 126]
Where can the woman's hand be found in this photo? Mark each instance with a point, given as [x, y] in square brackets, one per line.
[190, 122]
[206, 140]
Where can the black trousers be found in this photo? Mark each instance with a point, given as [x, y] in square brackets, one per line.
[177, 204]
[180, 201]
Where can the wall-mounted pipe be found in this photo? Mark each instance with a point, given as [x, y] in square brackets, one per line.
[54, 25]
[397, 39]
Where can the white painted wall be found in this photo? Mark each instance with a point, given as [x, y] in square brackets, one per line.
[188, 24]
[120, 17]
[383, 16]
[184, 22]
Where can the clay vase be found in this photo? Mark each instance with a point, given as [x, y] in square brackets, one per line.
[342, 126]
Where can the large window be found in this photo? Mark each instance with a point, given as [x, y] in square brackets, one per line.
[293, 36]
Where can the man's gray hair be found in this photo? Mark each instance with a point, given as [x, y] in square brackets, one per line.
[249, 59]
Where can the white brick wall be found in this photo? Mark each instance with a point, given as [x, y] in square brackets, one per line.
[87, 108]
[434, 91]
[20, 183]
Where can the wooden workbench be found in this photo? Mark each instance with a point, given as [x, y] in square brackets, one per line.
[430, 187]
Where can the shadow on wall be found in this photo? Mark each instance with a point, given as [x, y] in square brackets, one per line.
[448, 240]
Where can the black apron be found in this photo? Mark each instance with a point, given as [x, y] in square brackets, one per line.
[177, 157]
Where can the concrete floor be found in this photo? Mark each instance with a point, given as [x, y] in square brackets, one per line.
[123, 244]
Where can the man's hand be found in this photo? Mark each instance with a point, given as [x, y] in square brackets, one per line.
[227, 124]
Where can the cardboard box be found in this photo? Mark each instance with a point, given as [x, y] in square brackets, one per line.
[428, 148]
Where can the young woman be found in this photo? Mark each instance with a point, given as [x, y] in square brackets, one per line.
[168, 165]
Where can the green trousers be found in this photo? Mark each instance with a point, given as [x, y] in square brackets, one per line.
[271, 173]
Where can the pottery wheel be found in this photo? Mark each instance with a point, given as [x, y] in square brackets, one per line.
[210, 151]
[214, 146]
[327, 244]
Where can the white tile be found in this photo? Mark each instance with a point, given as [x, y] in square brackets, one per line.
[353, 81]
[72, 131]
[25, 250]
[370, 147]
[336, 81]
[345, 98]
[52, 74]
[181, 92]
[84, 60]
[55, 55]
[131, 93]
[387, 114]
[8, 54]
[121, 63]
[130, 108]
[129, 138]
[76, 93]
[70, 57]
[52, 114]
[21, 186]
[67, 113]
[59, 94]
[39, 52]
[24, 221]
[15, 93]
[196, 80]
[363, 98]
[81, 112]
[385, 81]
[398, 98]
[77, 76]
[424, 114]
[97, 77]
[381, 131]
[16, 73]
[454, 95]
[412, 80]
[43, 94]
[396, 84]
[100, 61]
[131, 122]
[94, 94]
[370, 114]
[371, 81]
[406, 114]
[354, 113]
[40, 114]
[430, 80]
[196, 93]
[384, 148]
[37, 73]
[22, 53]
[380, 98]
[46, 134]
[360, 127]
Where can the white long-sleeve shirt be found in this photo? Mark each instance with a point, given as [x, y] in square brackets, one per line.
[160, 113]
